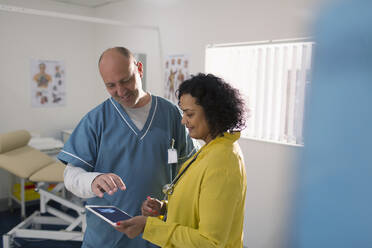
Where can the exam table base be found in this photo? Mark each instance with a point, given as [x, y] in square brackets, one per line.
[30, 227]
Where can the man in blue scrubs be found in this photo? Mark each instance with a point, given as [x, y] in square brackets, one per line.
[118, 153]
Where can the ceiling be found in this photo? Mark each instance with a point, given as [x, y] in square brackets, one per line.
[88, 3]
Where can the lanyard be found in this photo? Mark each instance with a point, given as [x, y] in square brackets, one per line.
[168, 188]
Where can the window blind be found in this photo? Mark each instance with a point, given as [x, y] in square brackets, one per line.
[273, 79]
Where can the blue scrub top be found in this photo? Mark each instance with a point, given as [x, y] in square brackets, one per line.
[107, 141]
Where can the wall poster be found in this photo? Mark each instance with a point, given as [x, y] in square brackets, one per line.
[176, 71]
[48, 87]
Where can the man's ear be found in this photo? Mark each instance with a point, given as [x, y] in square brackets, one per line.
[140, 68]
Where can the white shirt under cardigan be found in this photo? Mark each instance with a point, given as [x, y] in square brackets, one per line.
[77, 180]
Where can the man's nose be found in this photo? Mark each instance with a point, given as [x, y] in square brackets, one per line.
[121, 90]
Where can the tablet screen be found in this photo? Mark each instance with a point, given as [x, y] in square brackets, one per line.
[111, 213]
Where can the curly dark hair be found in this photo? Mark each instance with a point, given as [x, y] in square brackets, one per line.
[223, 105]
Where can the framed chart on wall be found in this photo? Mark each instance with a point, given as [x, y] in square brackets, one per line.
[48, 87]
[176, 71]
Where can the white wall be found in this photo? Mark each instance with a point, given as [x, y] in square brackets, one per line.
[24, 37]
[186, 26]
[270, 183]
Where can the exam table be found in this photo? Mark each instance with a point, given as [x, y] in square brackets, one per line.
[30, 164]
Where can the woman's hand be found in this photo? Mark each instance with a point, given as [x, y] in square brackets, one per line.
[132, 227]
[151, 207]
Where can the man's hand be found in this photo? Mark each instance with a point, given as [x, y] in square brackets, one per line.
[132, 227]
[109, 183]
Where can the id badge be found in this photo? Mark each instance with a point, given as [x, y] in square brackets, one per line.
[172, 156]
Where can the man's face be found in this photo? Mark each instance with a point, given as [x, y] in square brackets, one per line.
[122, 77]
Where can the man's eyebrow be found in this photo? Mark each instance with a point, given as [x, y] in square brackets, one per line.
[126, 79]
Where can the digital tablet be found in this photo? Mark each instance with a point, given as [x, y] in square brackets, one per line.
[110, 214]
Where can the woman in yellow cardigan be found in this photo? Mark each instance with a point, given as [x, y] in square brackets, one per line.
[205, 205]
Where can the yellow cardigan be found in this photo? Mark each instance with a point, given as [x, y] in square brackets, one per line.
[206, 208]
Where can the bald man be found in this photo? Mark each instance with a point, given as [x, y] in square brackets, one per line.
[118, 153]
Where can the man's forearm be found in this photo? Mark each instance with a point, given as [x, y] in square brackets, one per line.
[78, 181]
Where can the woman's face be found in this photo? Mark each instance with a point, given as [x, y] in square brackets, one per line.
[194, 118]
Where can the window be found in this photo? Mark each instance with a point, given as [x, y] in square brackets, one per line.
[273, 77]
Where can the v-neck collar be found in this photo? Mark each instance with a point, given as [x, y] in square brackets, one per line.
[128, 121]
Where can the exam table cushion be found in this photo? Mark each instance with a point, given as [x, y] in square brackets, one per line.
[52, 173]
[12, 140]
[24, 161]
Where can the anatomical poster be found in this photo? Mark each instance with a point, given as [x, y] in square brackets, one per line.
[48, 86]
[176, 71]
